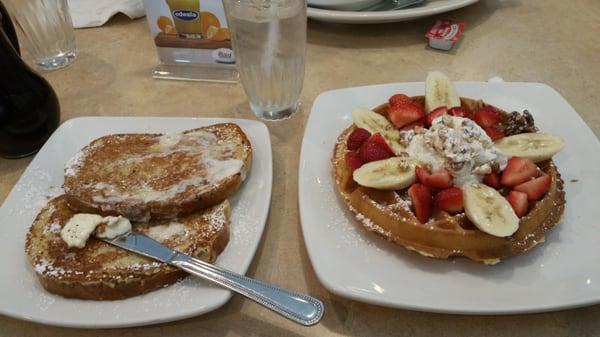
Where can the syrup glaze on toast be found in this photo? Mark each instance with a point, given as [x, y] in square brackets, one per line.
[101, 271]
[154, 176]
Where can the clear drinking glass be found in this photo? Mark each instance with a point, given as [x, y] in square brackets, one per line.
[47, 29]
[269, 42]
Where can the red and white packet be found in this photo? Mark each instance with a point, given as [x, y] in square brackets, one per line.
[444, 34]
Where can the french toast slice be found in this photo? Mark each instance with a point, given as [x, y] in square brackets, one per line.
[100, 271]
[158, 176]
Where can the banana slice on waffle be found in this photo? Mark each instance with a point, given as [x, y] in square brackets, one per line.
[377, 123]
[489, 211]
[535, 146]
[439, 91]
[390, 174]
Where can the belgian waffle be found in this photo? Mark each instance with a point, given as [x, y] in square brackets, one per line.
[389, 213]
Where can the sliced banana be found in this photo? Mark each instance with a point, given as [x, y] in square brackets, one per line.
[535, 146]
[390, 174]
[489, 211]
[376, 123]
[439, 91]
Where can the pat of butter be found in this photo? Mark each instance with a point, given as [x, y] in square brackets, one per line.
[115, 226]
[78, 229]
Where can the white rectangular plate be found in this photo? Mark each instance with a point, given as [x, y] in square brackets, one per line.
[351, 262]
[21, 295]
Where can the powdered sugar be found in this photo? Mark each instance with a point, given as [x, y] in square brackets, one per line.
[51, 228]
[35, 189]
[44, 267]
[144, 266]
[217, 218]
[72, 165]
[240, 231]
[370, 224]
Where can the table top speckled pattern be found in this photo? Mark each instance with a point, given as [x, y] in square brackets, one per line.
[551, 41]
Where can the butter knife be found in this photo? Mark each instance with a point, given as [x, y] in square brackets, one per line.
[298, 307]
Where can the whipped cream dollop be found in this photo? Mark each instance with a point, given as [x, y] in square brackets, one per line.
[458, 145]
[78, 229]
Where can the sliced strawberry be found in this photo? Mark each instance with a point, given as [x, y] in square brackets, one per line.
[486, 117]
[535, 188]
[375, 148]
[357, 138]
[435, 113]
[399, 99]
[492, 180]
[518, 201]
[421, 200]
[414, 125]
[459, 112]
[494, 133]
[518, 170]
[378, 138]
[422, 173]
[450, 200]
[370, 151]
[438, 179]
[405, 113]
[353, 160]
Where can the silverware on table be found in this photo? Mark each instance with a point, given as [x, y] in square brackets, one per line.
[390, 5]
[298, 307]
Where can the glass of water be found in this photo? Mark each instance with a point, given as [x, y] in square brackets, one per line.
[269, 42]
[47, 29]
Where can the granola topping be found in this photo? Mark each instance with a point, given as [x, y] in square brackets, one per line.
[519, 122]
[459, 145]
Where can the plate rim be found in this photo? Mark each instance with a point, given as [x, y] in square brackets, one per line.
[262, 131]
[356, 17]
[362, 297]
[338, 3]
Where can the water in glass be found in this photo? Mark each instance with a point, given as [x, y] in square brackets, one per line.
[269, 40]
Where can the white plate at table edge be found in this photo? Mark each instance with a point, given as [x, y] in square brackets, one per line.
[333, 237]
[356, 17]
[187, 298]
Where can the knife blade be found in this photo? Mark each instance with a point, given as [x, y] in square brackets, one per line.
[298, 307]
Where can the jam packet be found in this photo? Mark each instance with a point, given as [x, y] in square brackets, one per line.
[444, 34]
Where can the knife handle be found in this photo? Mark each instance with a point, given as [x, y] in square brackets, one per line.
[298, 307]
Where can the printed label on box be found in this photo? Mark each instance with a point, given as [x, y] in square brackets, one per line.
[190, 32]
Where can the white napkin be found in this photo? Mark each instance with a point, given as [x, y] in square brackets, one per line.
[93, 13]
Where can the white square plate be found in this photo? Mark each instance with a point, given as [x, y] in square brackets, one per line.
[351, 262]
[21, 295]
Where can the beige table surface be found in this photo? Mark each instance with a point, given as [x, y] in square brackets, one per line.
[555, 42]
